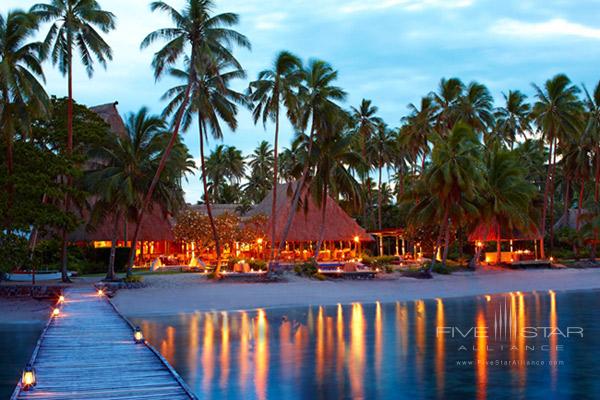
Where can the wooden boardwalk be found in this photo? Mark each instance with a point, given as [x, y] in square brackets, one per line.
[88, 352]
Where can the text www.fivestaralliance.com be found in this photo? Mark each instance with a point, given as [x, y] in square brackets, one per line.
[509, 363]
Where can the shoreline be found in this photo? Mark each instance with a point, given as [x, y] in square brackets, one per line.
[169, 295]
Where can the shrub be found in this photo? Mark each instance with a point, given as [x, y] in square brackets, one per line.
[309, 269]
[133, 279]
[14, 252]
[258, 265]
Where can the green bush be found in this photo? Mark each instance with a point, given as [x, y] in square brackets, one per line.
[134, 279]
[97, 260]
[14, 252]
[308, 269]
[258, 265]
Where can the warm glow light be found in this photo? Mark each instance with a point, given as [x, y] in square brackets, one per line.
[259, 240]
[28, 378]
[100, 292]
[61, 299]
[479, 243]
[488, 298]
[55, 312]
[138, 336]
[551, 259]
[356, 239]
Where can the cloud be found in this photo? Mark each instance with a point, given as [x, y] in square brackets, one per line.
[271, 21]
[551, 28]
[412, 5]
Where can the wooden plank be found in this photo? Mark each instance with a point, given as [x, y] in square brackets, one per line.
[88, 352]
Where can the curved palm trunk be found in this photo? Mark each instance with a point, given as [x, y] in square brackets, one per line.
[207, 200]
[580, 204]
[446, 243]
[379, 200]
[552, 189]
[274, 253]
[596, 198]
[64, 255]
[545, 205]
[298, 191]
[161, 166]
[322, 227]
[110, 274]
[438, 242]
[498, 245]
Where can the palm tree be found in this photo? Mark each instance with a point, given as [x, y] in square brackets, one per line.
[121, 171]
[275, 87]
[506, 198]
[137, 154]
[447, 99]
[318, 104]
[22, 96]
[451, 184]
[592, 132]
[380, 153]
[74, 27]
[556, 112]
[261, 169]
[366, 122]
[475, 108]
[418, 127]
[333, 160]
[213, 102]
[225, 165]
[514, 118]
[206, 40]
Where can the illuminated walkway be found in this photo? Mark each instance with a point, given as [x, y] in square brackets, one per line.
[88, 352]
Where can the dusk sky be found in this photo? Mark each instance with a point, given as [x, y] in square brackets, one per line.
[390, 51]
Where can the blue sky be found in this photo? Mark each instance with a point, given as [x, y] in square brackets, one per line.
[390, 51]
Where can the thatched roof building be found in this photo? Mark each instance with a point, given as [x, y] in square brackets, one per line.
[217, 209]
[307, 219]
[157, 225]
[109, 113]
[569, 220]
[489, 233]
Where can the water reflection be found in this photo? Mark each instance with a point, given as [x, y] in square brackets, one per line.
[377, 350]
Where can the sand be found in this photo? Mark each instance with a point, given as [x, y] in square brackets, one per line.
[186, 293]
[24, 310]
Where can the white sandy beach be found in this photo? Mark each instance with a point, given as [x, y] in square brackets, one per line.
[186, 293]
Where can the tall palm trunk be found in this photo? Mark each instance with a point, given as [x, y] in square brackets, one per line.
[498, 245]
[546, 193]
[64, 253]
[596, 198]
[213, 226]
[379, 199]
[552, 189]
[446, 242]
[580, 203]
[567, 199]
[322, 227]
[161, 166]
[298, 190]
[438, 242]
[274, 254]
[110, 274]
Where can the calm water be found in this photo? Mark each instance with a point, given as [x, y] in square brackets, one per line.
[391, 351]
[17, 342]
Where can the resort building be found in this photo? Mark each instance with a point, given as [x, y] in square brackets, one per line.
[342, 236]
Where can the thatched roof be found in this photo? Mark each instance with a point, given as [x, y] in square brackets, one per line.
[569, 220]
[307, 220]
[217, 209]
[156, 227]
[489, 233]
[109, 113]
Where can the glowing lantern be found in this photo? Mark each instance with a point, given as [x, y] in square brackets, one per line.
[259, 240]
[55, 312]
[479, 244]
[551, 259]
[356, 239]
[61, 299]
[28, 378]
[100, 292]
[138, 336]
[488, 298]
